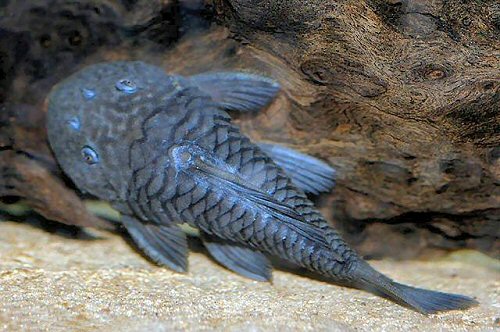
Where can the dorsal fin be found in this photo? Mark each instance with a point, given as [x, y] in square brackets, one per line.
[225, 180]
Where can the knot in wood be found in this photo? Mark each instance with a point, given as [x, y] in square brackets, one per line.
[317, 71]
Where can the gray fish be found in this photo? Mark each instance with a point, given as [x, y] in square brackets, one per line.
[162, 149]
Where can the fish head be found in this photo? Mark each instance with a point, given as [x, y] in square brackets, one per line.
[95, 115]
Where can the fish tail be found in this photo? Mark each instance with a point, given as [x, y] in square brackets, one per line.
[421, 300]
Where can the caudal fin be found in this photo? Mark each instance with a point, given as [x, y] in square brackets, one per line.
[428, 302]
[421, 300]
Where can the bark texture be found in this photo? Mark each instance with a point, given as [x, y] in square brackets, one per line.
[402, 97]
[41, 43]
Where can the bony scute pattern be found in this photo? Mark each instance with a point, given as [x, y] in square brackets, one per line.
[167, 153]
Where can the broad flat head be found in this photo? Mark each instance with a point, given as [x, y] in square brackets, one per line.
[94, 113]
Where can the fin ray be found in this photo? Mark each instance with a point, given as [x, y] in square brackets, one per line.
[418, 299]
[308, 173]
[242, 260]
[165, 245]
[236, 90]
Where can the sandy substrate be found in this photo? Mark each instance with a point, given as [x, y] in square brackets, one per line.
[55, 283]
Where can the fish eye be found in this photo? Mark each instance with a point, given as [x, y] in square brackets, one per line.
[89, 155]
[126, 85]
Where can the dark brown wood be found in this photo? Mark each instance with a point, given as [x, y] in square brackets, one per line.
[42, 42]
[402, 97]
[28, 170]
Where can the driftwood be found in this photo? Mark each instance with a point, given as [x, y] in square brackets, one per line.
[41, 43]
[402, 97]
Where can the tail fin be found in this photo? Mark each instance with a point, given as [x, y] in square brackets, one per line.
[428, 302]
[421, 300]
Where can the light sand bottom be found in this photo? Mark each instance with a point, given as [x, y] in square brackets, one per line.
[49, 282]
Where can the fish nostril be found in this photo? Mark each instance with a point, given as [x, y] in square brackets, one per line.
[88, 94]
[126, 86]
[74, 123]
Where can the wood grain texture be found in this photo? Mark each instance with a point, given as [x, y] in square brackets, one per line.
[402, 97]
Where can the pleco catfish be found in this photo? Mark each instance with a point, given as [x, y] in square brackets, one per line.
[162, 149]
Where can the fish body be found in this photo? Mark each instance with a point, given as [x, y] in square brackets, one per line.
[162, 149]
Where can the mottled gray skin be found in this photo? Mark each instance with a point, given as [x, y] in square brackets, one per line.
[151, 144]
[140, 139]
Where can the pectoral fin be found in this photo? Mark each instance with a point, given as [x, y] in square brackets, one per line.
[165, 245]
[237, 91]
[244, 261]
[308, 173]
